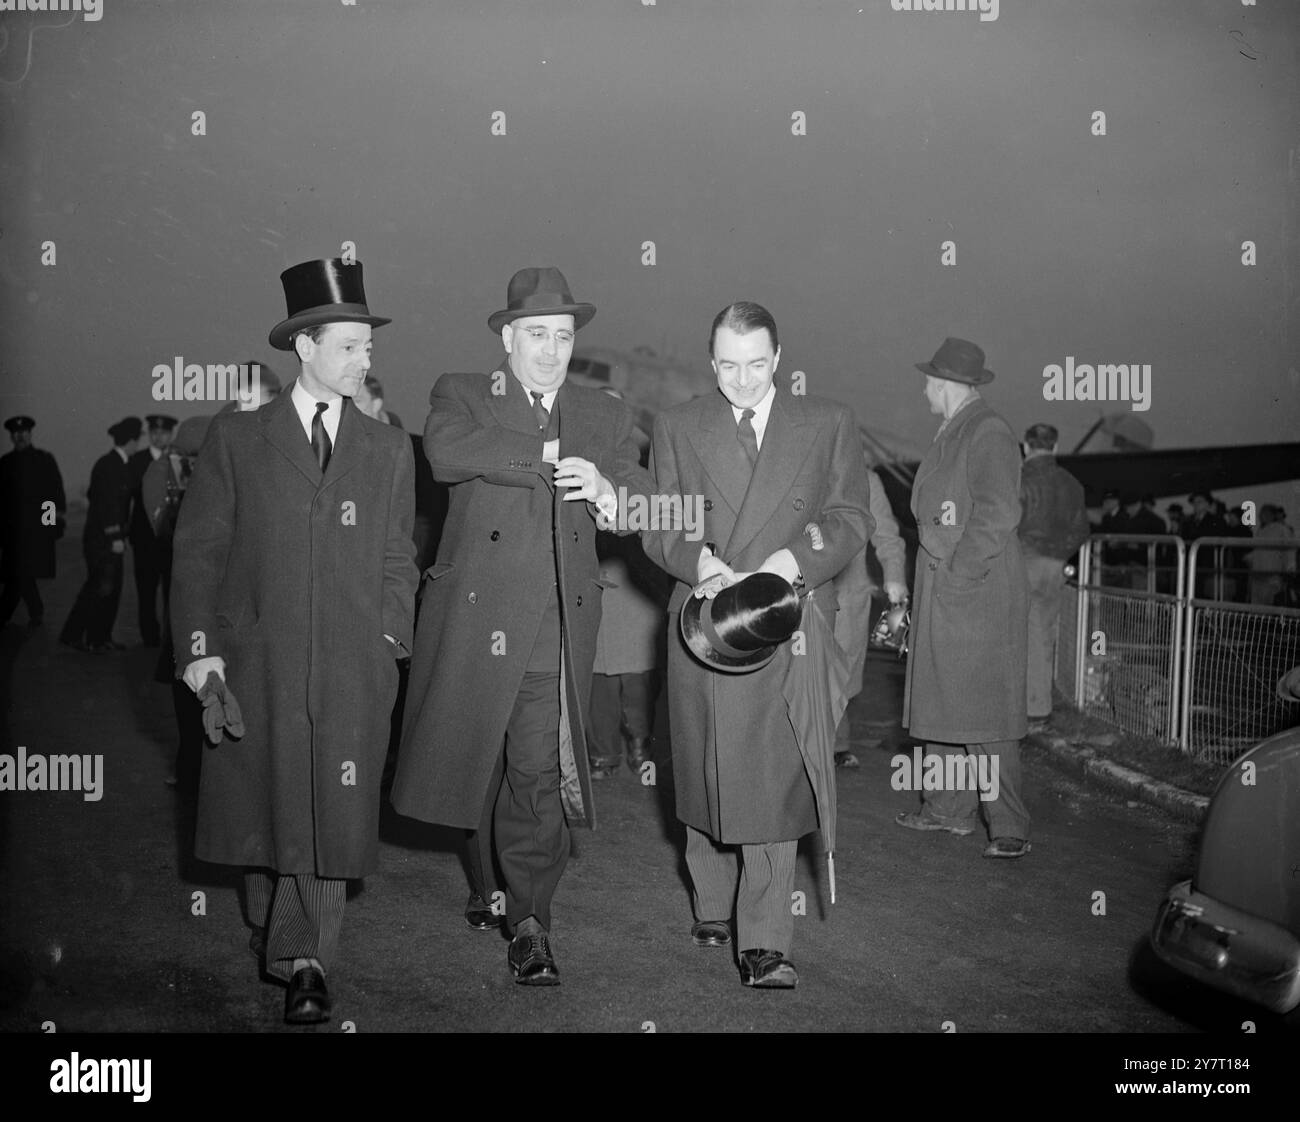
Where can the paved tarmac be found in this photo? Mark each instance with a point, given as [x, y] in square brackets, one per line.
[99, 932]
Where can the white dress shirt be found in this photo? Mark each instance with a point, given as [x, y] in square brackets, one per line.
[761, 413]
[306, 406]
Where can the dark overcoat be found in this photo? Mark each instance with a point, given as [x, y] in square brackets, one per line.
[29, 478]
[970, 611]
[737, 769]
[482, 601]
[294, 578]
[109, 507]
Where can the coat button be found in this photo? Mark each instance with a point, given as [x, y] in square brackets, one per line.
[575, 538]
[472, 597]
[933, 565]
[936, 520]
[580, 601]
[708, 504]
[798, 504]
[496, 535]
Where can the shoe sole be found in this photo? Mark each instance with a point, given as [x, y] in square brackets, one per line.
[547, 978]
[707, 942]
[1008, 856]
[784, 978]
[494, 925]
[315, 1016]
[926, 827]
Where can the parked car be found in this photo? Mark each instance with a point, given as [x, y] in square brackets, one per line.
[1236, 924]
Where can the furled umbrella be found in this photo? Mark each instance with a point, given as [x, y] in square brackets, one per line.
[816, 691]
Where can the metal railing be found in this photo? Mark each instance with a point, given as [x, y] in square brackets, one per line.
[1234, 651]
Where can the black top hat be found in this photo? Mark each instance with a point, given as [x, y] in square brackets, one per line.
[540, 292]
[159, 421]
[740, 629]
[126, 430]
[958, 361]
[20, 424]
[317, 292]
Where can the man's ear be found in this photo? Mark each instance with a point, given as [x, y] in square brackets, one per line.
[508, 336]
[302, 343]
[776, 360]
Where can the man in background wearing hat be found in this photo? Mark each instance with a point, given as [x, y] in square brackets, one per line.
[293, 582]
[89, 626]
[966, 670]
[144, 553]
[510, 611]
[1053, 524]
[785, 491]
[32, 515]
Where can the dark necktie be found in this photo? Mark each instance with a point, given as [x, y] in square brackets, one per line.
[320, 439]
[540, 411]
[745, 434]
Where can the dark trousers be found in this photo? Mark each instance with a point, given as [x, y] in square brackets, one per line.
[95, 611]
[1006, 815]
[621, 705]
[753, 882]
[522, 818]
[302, 915]
[148, 576]
[23, 588]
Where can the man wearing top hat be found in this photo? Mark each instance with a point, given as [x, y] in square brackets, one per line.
[145, 561]
[32, 516]
[785, 492]
[89, 626]
[293, 581]
[493, 738]
[966, 668]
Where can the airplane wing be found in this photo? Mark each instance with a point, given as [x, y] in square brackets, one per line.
[1179, 471]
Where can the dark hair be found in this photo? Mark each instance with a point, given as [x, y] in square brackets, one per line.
[1041, 438]
[742, 317]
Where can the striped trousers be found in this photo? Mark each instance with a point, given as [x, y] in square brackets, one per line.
[755, 881]
[301, 914]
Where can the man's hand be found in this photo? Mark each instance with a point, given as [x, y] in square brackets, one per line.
[118, 546]
[550, 452]
[712, 575]
[783, 564]
[896, 591]
[586, 484]
[196, 673]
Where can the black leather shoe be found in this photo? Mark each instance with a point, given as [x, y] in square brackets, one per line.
[479, 915]
[308, 1002]
[767, 970]
[638, 751]
[531, 961]
[711, 933]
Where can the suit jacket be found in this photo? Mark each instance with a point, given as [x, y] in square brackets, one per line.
[294, 578]
[970, 601]
[737, 770]
[507, 542]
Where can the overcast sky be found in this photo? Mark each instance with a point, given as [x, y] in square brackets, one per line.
[670, 123]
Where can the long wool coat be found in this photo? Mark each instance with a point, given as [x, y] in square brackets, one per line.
[28, 480]
[970, 615]
[482, 601]
[737, 770]
[294, 578]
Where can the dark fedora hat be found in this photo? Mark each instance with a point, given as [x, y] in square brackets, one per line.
[958, 361]
[317, 292]
[540, 292]
[740, 629]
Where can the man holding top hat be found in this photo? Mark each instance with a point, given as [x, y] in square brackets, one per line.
[965, 686]
[293, 592]
[493, 738]
[32, 516]
[89, 626]
[144, 554]
[785, 502]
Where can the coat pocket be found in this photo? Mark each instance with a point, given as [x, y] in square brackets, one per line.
[433, 572]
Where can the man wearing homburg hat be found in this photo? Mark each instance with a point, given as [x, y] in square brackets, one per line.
[784, 489]
[965, 688]
[145, 560]
[89, 626]
[32, 518]
[493, 738]
[293, 581]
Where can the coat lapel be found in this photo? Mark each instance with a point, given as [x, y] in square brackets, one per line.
[785, 447]
[720, 452]
[351, 447]
[512, 409]
[284, 430]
